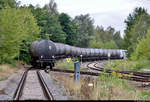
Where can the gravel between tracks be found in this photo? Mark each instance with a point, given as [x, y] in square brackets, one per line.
[32, 88]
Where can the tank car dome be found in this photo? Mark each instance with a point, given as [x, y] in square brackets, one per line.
[43, 49]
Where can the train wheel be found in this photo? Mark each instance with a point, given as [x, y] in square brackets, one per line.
[47, 70]
[53, 64]
[34, 64]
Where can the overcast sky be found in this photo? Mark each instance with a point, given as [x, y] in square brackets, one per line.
[104, 12]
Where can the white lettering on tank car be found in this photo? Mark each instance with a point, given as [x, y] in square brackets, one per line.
[108, 54]
[50, 47]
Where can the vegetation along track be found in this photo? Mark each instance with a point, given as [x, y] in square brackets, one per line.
[131, 75]
[32, 86]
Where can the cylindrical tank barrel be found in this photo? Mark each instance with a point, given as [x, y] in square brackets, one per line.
[43, 49]
[67, 49]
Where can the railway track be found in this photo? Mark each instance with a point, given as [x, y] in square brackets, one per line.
[96, 69]
[72, 71]
[130, 75]
[32, 87]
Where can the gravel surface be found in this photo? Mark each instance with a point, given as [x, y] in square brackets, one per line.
[98, 64]
[84, 65]
[32, 89]
[71, 75]
[101, 63]
[8, 87]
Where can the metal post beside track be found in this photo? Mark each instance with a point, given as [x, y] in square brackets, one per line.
[77, 71]
[81, 58]
[109, 57]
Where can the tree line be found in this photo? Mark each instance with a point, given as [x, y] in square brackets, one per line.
[21, 25]
[137, 32]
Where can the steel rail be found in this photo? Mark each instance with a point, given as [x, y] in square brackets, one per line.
[142, 74]
[72, 71]
[44, 86]
[19, 88]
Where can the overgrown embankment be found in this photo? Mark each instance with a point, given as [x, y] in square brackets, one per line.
[6, 70]
[104, 87]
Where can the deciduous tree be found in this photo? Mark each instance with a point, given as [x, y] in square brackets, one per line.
[130, 22]
[70, 28]
[16, 26]
[142, 51]
[85, 29]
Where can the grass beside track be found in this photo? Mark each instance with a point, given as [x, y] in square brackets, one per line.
[6, 71]
[67, 65]
[104, 88]
[115, 88]
[128, 65]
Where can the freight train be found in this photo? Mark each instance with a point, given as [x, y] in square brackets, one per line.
[45, 52]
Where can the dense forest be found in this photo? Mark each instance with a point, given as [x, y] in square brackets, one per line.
[21, 25]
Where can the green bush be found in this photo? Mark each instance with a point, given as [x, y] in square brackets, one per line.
[66, 65]
[110, 45]
[142, 51]
[17, 25]
[137, 66]
[75, 59]
[95, 44]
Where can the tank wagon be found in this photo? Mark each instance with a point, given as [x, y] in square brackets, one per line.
[42, 53]
[64, 50]
[45, 52]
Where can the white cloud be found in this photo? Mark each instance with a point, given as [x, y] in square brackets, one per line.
[34, 2]
[110, 19]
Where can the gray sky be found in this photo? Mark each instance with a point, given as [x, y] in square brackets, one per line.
[104, 12]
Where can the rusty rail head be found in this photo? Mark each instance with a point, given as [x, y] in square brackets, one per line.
[20, 85]
[45, 87]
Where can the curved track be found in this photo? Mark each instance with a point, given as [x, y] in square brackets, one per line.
[32, 86]
[131, 75]
[81, 72]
